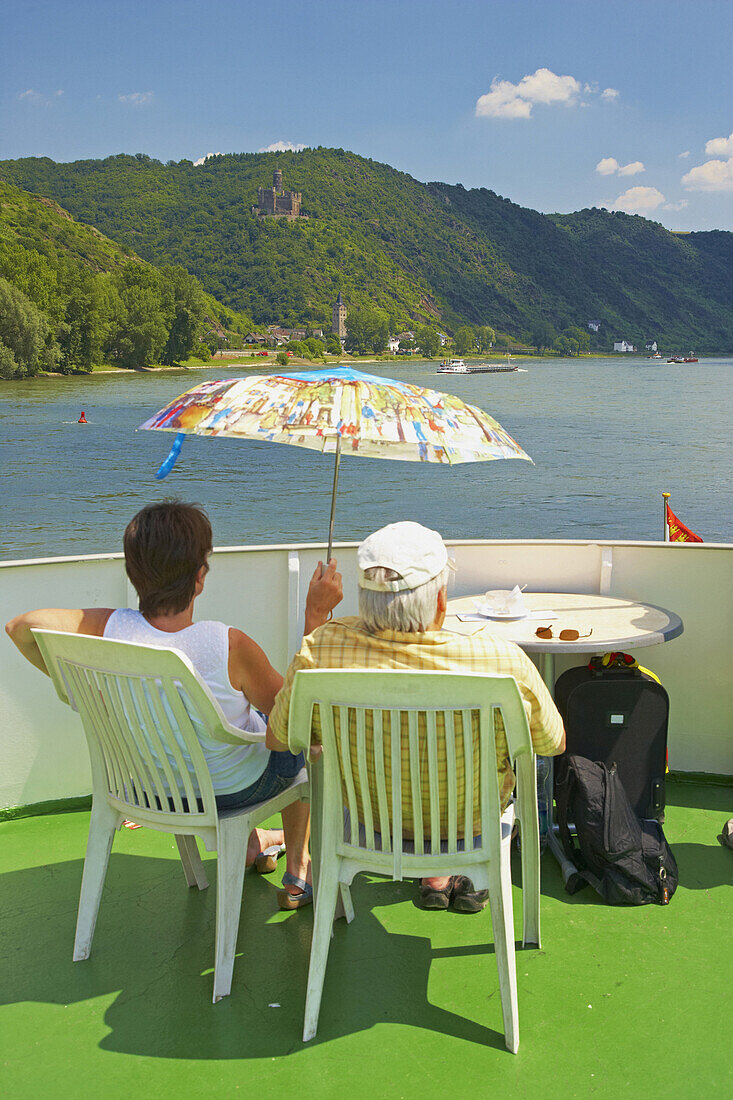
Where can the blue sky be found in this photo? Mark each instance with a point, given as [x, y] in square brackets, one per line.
[557, 104]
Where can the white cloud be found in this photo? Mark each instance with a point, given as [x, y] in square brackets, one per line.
[38, 99]
[720, 147]
[676, 205]
[136, 99]
[637, 200]
[507, 100]
[283, 147]
[609, 165]
[713, 175]
[201, 160]
[683, 155]
[609, 93]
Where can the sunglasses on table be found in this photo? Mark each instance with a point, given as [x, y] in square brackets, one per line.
[569, 635]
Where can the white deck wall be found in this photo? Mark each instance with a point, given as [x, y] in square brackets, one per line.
[262, 589]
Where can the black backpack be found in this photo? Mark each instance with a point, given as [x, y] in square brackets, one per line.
[627, 861]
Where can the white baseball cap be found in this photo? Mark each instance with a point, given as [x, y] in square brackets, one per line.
[415, 552]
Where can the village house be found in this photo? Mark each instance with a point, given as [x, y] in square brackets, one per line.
[594, 326]
[652, 346]
[623, 345]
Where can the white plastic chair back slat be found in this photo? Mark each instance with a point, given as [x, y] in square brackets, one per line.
[395, 739]
[347, 772]
[469, 771]
[488, 783]
[421, 733]
[450, 758]
[364, 786]
[380, 779]
[433, 785]
[415, 783]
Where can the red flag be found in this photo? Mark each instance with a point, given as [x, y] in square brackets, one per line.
[677, 530]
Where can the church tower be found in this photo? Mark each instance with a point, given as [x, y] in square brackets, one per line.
[339, 318]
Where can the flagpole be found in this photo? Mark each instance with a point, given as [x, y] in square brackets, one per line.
[665, 499]
[333, 495]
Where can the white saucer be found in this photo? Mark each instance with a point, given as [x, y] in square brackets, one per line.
[506, 616]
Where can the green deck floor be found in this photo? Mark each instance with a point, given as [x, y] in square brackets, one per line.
[633, 1001]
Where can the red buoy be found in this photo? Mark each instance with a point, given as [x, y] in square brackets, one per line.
[82, 419]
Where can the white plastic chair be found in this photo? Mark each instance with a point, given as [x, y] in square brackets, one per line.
[136, 703]
[374, 841]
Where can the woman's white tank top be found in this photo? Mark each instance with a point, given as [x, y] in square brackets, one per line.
[206, 644]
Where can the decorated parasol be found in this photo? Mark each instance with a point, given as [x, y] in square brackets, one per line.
[339, 411]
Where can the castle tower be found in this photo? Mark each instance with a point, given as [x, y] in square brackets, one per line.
[339, 318]
[277, 180]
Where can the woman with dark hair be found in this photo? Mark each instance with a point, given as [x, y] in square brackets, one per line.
[167, 547]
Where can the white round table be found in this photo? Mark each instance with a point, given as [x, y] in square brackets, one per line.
[610, 623]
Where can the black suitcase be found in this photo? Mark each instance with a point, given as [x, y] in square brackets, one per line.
[618, 714]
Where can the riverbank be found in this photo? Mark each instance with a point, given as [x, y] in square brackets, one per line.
[255, 361]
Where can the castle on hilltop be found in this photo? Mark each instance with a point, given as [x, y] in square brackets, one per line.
[274, 202]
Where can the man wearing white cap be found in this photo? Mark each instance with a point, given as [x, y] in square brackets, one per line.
[403, 594]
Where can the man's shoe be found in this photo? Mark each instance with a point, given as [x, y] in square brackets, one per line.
[430, 898]
[465, 898]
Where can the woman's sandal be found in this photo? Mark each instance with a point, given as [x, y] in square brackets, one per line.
[266, 861]
[287, 900]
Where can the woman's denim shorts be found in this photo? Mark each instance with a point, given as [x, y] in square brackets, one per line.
[281, 770]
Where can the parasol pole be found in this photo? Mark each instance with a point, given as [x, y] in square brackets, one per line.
[665, 502]
[333, 495]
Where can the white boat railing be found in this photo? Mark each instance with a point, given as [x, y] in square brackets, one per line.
[261, 589]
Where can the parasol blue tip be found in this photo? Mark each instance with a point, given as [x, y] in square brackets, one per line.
[169, 462]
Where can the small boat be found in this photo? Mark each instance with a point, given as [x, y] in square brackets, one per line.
[676, 359]
[655, 356]
[690, 358]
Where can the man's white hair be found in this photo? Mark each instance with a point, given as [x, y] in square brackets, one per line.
[408, 612]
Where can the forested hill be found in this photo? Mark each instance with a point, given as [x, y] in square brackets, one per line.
[71, 298]
[424, 251]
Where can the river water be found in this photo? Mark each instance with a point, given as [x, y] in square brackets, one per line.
[607, 437]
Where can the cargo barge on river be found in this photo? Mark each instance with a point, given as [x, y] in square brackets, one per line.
[458, 366]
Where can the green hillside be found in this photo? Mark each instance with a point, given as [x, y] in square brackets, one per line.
[71, 298]
[421, 251]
